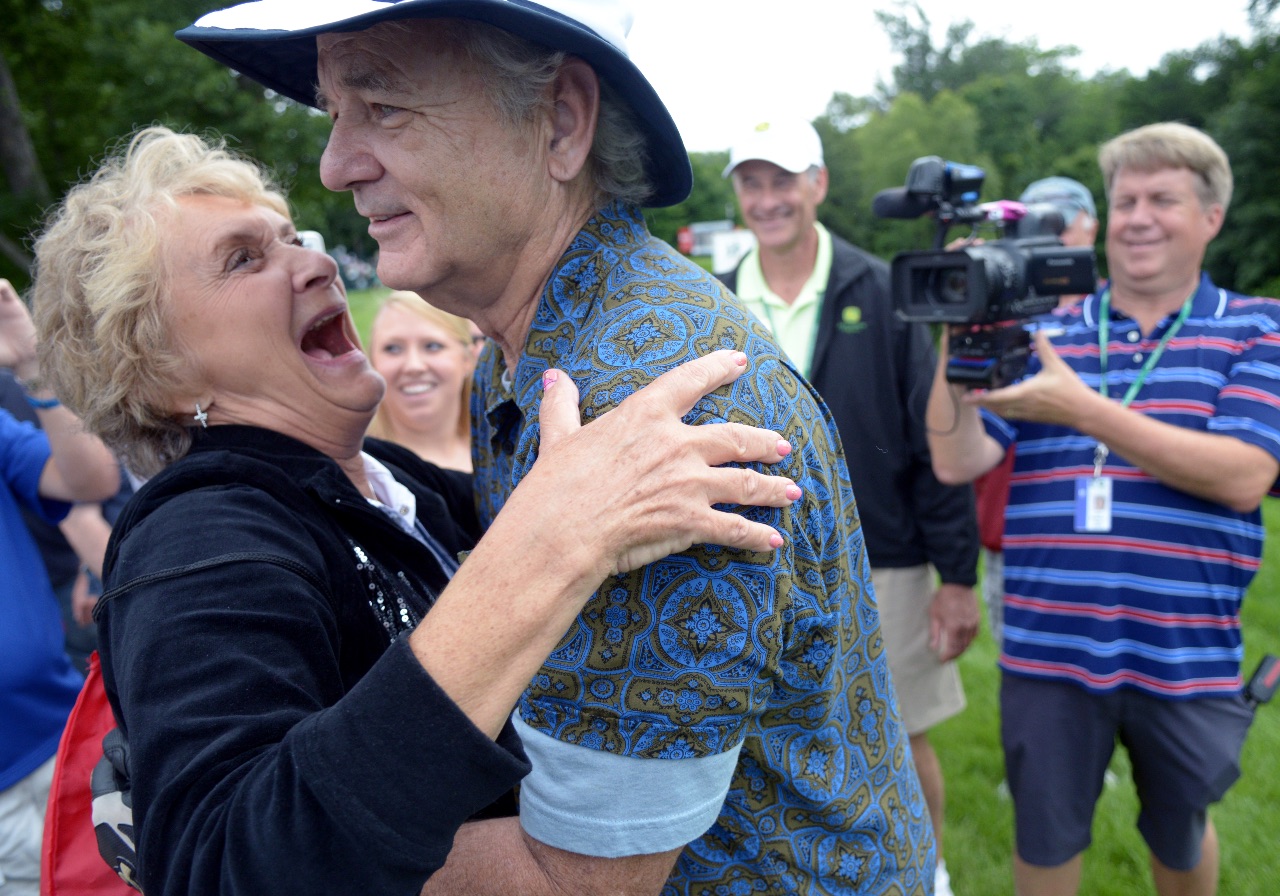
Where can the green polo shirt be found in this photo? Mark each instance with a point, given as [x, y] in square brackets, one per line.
[794, 325]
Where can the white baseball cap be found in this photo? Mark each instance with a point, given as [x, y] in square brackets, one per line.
[791, 144]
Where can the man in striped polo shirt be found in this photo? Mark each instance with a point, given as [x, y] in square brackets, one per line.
[1147, 434]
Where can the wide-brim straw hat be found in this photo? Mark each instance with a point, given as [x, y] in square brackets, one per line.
[273, 42]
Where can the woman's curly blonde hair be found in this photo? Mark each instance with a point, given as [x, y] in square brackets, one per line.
[99, 297]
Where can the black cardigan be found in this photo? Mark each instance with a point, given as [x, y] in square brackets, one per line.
[280, 740]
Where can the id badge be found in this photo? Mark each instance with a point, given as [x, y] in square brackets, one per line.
[1093, 504]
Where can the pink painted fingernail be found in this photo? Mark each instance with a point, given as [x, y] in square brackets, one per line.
[549, 379]
[740, 359]
[775, 541]
[794, 492]
[784, 447]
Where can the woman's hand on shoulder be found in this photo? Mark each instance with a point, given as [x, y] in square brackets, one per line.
[636, 485]
[641, 484]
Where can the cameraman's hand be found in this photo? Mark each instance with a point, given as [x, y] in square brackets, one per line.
[1054, 395]
[962, 241]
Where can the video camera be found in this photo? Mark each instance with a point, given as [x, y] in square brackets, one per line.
[995, 286]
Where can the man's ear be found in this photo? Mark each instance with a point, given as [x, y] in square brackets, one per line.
[575, 108]
[821, 181]
[1093, 227]
[1214, 216]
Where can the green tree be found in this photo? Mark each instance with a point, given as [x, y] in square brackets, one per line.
[889, 142]
[1189, 86]
[1243, 256]
[925, 70]
[1029, 123]
[847, 209]
[87, 73]
[710, 200]
[1260, 12]
[1031, 114]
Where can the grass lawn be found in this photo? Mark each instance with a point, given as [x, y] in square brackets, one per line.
[364, 302]
[979, 828]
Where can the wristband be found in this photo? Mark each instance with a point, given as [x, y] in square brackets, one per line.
[42, 404]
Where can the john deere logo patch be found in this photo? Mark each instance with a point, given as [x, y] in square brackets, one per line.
[851, 320]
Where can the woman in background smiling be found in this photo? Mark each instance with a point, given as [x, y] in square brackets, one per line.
[425, 356]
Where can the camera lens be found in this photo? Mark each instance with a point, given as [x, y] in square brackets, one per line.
[951, 286]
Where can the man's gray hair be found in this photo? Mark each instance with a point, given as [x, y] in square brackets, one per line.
[521, 70]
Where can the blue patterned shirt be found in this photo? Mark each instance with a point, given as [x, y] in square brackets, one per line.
[772, 664]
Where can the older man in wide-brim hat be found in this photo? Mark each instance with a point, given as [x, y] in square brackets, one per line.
[723, 719]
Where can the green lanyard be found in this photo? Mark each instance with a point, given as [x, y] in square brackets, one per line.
[1104, 326]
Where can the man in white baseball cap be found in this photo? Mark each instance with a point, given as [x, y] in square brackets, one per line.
[791, 145]
[715, 721]
[830, 306]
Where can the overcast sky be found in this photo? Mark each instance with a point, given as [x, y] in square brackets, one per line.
[724, 65]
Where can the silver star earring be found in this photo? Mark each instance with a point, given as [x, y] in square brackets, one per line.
[201, 417]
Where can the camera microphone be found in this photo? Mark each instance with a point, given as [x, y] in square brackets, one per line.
[898, 202]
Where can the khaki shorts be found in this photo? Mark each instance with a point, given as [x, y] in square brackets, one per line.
[993, 592]
[22, 830]
[928, 691]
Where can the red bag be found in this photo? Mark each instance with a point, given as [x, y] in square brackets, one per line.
[70, 862]
[991, 491]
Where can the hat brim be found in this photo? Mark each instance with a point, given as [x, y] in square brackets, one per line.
[285, 61]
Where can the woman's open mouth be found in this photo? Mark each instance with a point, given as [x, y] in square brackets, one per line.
[327, 338]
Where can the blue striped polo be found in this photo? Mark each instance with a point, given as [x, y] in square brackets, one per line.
[1154, 603]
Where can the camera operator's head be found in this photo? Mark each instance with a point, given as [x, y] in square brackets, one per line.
[780, 180]
[1073, 201]
[1169, 144]
[1168, 186]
